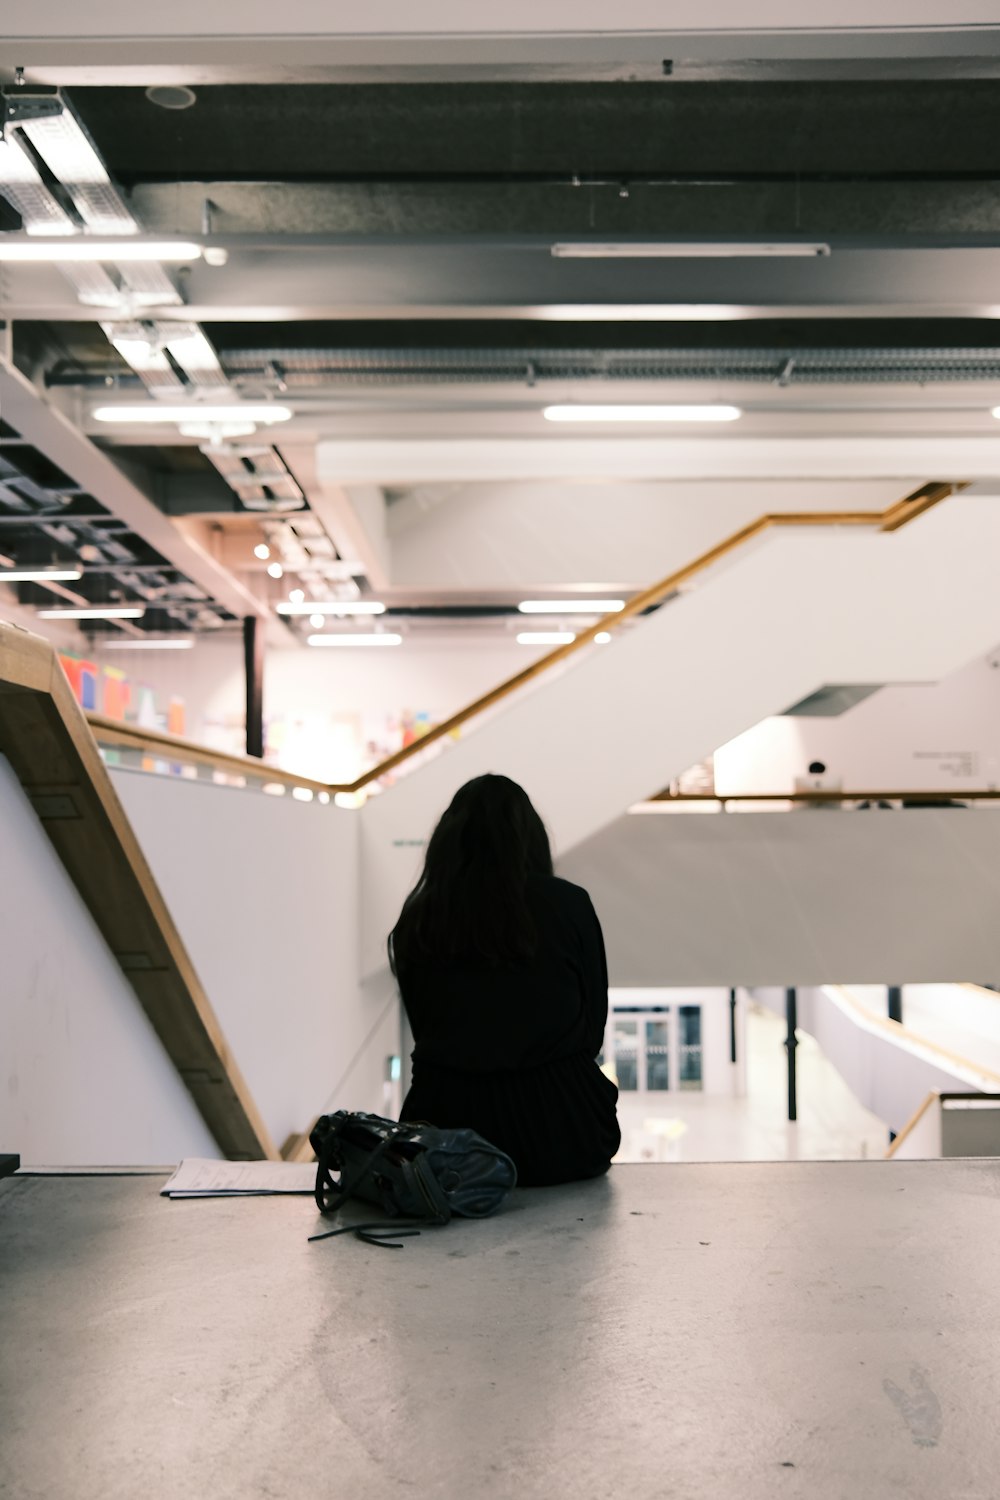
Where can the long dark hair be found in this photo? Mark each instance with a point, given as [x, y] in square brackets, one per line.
[471, 898]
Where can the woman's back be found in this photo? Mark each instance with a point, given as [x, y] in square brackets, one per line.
[478, 1016]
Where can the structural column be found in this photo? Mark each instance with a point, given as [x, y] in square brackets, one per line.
[791, 1042]
[253, 658]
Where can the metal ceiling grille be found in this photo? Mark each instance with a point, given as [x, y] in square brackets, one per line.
[294, 369]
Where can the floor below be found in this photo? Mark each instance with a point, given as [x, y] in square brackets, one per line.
[699, 1127]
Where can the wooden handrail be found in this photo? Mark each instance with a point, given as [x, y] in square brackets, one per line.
[892, 519]
[156, 742]
[988, 794]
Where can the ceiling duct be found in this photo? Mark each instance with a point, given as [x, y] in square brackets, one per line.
[301, 370]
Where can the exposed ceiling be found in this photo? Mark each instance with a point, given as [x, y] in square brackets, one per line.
[384, 267]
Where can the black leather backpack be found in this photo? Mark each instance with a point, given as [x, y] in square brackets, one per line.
[417, 1174]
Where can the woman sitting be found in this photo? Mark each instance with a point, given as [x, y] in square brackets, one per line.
[502, 971]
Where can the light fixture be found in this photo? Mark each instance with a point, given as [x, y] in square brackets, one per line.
[109, 612]
[641, 413]
[678, 250]
[371, 638]
[570, 606]
[39, 248]
[602, 638]
[164, 643]
[317, 621]
[545, 637]
[332, 607]
[193, 411]
[275, 570]
[297, 595]
[262, 550]
[40, 575]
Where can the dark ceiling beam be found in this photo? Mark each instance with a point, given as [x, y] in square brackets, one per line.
[888, 208]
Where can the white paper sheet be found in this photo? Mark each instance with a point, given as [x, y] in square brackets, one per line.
[200, 1177]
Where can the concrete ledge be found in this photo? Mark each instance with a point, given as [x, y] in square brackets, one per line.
[691, 1331]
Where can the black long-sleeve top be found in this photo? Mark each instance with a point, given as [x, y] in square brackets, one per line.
[509, 1050]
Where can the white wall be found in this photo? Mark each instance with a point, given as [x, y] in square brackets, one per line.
[83, 1076]
[797, 897]
[264, 892]
[907, 737]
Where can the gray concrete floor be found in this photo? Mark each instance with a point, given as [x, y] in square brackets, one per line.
[789, 1329]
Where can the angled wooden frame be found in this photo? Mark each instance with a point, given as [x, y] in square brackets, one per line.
[45, 736]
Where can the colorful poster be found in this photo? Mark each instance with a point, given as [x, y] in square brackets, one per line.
[117, 694]
[82, 677]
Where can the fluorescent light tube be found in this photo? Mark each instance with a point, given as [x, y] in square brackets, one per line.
[111, 613]
[641, 413]
[168, 643]
[44, 249]
[331, 607]
[194, 411]
[678, 250]
[39, 575]
[570, 606]
[369, 639]
[545, 637]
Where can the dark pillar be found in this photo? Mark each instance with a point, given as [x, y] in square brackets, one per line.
[791, 1014]
[895, 994]
[732, 1025]
[253, 657]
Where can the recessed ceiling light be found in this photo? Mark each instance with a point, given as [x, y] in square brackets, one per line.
[317, 621]
[171, 96]
[64, 248]
[192, 411]
[602, 638]
[275, 570]
[641, 413]
[39, 575]
[111, 612]
[677, 249]
[570, 606]
[545, 637]
[297, 595]
[371, 638]
[262, 550]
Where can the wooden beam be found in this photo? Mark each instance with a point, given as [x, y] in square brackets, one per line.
[45, 736]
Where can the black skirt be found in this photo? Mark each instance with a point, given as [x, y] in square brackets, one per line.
[557, 1121]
